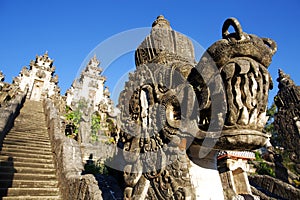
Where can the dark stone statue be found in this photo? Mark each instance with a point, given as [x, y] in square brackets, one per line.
[287, 119]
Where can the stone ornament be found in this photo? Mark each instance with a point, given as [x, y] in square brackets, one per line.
[287, 118]
[243, 60]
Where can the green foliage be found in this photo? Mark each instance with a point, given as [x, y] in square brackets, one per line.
[265, 169]
[95, 168]
[111, 126]
[110, 140]
[95, 127]
[258, 156]
[288, 163]
[272, 110]
[74, 117]
[271, 113]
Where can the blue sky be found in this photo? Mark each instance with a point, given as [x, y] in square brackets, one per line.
[70, 30]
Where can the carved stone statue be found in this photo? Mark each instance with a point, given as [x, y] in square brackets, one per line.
[171, 106]
[287, 119]
[85, 122]
[157, 166]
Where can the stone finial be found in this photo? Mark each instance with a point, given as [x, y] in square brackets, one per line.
[284, 80]
[242, 60]
[43, 60]
[164, 45]
[287, 118]
[2, 77]
[161, 22]
[239, 44]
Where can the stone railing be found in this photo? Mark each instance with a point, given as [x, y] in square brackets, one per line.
[275, 187]
[9, 113]
[68, 161]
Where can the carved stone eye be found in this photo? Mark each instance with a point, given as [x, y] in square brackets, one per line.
[173, 114]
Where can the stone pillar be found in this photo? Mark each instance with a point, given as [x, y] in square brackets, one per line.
[233, 168]
[204, 175]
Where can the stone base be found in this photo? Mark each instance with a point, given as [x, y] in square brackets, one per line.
[205, 178]
[244, 139]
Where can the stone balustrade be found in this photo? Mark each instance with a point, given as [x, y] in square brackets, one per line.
[67, 157]
[9, 113]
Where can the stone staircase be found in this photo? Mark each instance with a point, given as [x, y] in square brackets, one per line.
[26, 162]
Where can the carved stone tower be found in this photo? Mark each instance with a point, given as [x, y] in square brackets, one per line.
[287, 119]
[39, 79]
[90, 86]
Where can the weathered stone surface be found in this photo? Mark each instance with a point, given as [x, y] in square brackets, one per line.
[9, 113]
[68, 161]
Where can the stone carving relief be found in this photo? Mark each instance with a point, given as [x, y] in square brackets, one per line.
[40, 74]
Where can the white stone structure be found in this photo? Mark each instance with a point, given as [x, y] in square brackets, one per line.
[39, 78]
[90, 86]
[233, 168]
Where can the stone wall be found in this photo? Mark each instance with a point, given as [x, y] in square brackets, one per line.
[98, 151]
[9, 113]
[274, 187]
[68, 161]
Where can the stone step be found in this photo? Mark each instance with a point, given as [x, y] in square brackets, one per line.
[37, 127]
[25, 141]
[26, 164]
[37, 155]
[27, 148]
[22, 150]
[28, 184]
[29, 170]
[23, 126]
[32, 198]
[30, 191]
[6, 158]
[41, 135]
[26, 176]
[25, 138]
[27, 144]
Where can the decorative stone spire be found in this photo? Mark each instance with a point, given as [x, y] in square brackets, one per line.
[2, 77]
[90, 86]
[164, 45]
[284, 80]
[43, 61]
[161, 22]
[39, 78]
[287, 118]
